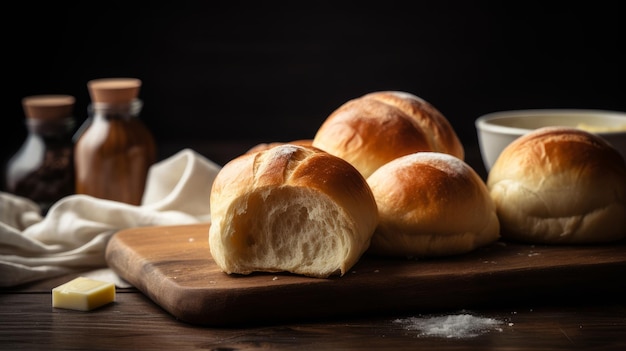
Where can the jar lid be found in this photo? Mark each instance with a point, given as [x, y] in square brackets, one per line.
[48, 106]
[114, 90]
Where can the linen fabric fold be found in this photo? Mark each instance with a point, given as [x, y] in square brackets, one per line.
[73, 235]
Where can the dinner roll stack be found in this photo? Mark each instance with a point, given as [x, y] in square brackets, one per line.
[431, 204]
[293, 209]
[560, 185]
[376, 128]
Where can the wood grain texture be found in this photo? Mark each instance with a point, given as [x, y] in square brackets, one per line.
[173, 267]
[133, 322]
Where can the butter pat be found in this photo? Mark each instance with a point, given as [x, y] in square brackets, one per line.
[83, 294]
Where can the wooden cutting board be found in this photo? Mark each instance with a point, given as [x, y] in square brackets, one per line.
[173, 267]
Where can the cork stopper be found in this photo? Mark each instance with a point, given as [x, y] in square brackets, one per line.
[114, 90]
[48, 107]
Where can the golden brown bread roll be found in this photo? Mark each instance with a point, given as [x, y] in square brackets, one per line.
[431, 204]
[265, 146]
[375, 128]
[291, 209]
[560, 186]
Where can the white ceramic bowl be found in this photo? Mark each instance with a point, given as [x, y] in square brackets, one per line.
[498, 129]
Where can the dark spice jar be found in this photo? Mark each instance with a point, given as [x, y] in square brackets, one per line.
[115, 150]
[43, 168]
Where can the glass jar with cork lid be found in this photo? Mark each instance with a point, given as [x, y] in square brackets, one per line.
[115, 149]
[42, 170]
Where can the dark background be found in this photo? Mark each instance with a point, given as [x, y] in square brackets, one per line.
[222, 73]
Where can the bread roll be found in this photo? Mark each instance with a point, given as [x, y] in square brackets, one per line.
[291, 209]
[431, 204]
[265, 146]
[560, 186]
[373, 129]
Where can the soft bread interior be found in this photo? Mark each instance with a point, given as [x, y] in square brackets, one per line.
[289, 229]
[290, 208]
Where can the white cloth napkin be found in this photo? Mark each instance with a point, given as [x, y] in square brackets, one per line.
[72, 237]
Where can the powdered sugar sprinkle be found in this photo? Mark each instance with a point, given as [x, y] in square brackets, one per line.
[451, 326]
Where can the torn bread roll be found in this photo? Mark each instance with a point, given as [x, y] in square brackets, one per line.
[431, 204]
[560, 185]
[378, 127]
[290, 209]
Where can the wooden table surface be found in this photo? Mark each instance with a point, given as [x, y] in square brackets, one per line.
[134, 322]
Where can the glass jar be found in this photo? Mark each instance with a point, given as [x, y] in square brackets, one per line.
[115, 150]
[43, 167]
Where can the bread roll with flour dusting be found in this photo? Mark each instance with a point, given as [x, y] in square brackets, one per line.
[431, 204]
[290, 208]
[375, 128]
[269, 145]
[560, 185]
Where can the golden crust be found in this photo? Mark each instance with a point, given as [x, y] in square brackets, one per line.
[560, 185]
[378, 127]
[431, 204]
[265, 146]
[313, 207]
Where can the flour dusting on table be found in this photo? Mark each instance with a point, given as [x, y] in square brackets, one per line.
[451, 326]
